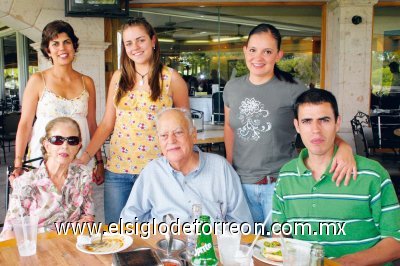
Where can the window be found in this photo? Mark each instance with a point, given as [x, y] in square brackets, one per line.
[12, 74]
[385, 78]
[205, 43]
[11, 85]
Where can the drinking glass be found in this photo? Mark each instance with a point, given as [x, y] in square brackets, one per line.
[228, 244]
[242, 258]
[25, 229]
[289, 255]
[296, 254]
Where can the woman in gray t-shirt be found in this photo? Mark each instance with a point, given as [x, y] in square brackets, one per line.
[259, 131]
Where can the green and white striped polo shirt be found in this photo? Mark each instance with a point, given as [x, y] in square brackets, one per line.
[366, 210]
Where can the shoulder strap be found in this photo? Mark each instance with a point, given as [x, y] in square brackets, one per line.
[83, 82]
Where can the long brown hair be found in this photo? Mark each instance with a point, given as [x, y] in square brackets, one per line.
[127, 80]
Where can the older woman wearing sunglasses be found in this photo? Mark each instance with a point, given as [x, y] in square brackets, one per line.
[59, 190]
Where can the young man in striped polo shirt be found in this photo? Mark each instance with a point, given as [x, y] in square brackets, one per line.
[358, 224]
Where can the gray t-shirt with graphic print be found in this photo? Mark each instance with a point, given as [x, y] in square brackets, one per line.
[262, 119]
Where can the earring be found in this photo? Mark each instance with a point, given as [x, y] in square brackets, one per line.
[154, 47]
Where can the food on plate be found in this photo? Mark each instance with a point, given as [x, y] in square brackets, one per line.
[275, 256]
[271, 246]
[109, 244]
[272, 250]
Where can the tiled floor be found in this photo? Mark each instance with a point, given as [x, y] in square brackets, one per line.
[391, 163]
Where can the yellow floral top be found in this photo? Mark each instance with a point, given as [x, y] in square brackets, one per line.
[134, 143]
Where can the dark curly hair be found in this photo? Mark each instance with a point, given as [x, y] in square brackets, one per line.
[52, 30]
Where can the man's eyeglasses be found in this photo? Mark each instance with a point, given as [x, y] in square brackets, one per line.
[59, 140]
[178, 133]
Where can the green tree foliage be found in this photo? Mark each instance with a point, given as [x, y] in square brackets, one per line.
[241, 68]
[196, 61]
[302, 67]
[381, 77]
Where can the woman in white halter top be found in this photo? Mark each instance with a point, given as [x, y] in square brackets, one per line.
[57, 91]
[52, 105]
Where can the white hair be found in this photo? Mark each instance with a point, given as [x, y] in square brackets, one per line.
[186, 114]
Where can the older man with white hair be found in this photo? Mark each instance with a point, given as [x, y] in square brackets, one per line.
[185, 176]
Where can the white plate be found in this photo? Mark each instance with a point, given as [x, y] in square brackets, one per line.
[126, 239]
[303, 246]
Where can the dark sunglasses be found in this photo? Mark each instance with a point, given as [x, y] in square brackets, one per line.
[59, 140]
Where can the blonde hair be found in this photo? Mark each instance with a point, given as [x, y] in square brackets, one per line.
[52, 124]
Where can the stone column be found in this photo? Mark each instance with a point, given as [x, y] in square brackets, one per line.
[90, 61]
[348, 56]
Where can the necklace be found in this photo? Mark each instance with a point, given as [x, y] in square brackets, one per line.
[141, 82]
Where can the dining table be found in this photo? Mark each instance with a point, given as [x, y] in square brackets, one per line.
[212, 133]
[55, 249]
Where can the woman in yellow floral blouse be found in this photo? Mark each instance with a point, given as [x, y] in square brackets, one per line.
[137, 92]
